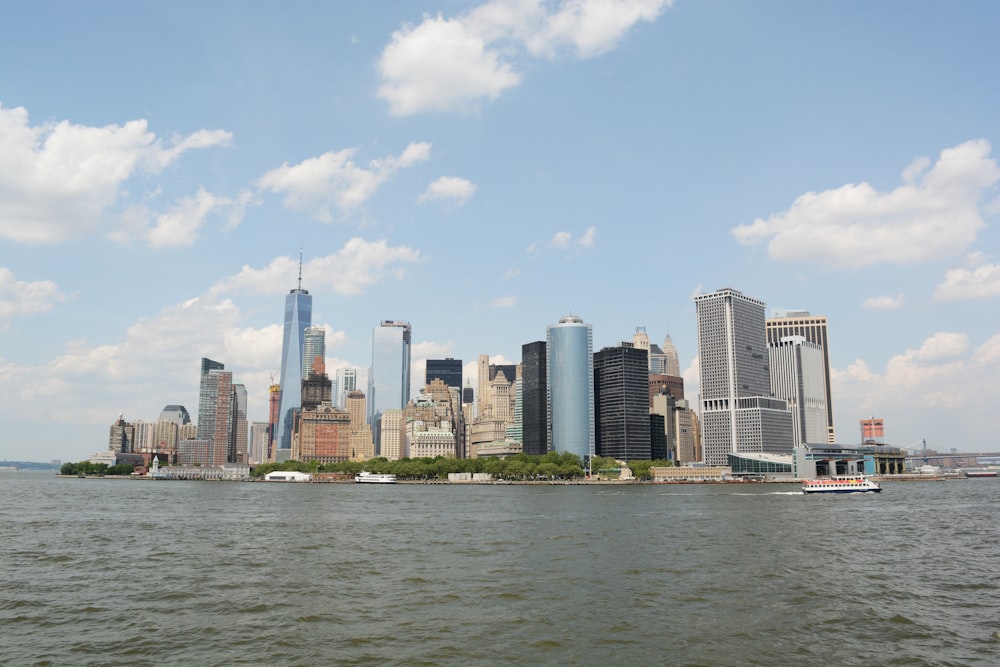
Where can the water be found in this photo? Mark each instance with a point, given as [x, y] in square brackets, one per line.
[117, 572]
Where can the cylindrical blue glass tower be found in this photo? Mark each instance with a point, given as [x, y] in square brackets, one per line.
[570, 372]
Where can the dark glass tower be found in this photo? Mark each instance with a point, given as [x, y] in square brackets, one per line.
[533, 398]
[621, 393]
[448, 371]
[298, 316]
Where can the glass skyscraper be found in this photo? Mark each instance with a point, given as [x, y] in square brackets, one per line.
[570, 382]
[389, 375]
[534, 397]
[313, 345]
[298, 316]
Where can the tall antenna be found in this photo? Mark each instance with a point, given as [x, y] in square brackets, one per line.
[300, 268]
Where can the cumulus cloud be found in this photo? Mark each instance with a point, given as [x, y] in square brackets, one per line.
[945, 371]
[181, 224]
[18, 297]
[565, 241]
[979, 282]
[503, 302]
[934, 214]
[884, 302]
[333, 179]
[452, 189]
[58, 180]
[454, 64]
[352, 269]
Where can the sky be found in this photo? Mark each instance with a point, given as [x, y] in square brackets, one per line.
[480, 170]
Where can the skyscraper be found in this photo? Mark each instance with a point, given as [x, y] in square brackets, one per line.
[447, 370]
[313, 345]
[298, 316]
[569, 367]
[215, 411]
[640, 340]
[797, 376]
[240, 441]
[389, 375]
[672, 365]
[814, 329]
[347, 381]
[738, 414]
[534, 398]
[621, 393]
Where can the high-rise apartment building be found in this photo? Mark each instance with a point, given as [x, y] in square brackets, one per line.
[814, 329]
[569, 365]
[621, 392]
[534, 398]
[447, 370]
[313, 346]
[738, 414]
[240, 441]
[298, 317]
[215, 411]
[797, 376]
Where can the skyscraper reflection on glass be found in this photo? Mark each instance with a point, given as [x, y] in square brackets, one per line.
[389, 375]
[570, 382]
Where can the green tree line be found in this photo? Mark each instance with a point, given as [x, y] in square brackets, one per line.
[519, 467]
[88, 468]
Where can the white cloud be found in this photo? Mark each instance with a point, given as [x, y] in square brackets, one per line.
[884, 302]
[333, 179]
[981, 282]
[940, 373]
[355, 267]
[58, 180]
[564, 240]
[503, 302]
[511, 273]
[451, 189]
[18, 297]
[453, 64]
[934, 214]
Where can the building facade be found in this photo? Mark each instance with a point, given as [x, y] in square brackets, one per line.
[298, 317]
[569, 364]
[389, 375]
[215, 411]
[313, 347]
[447, 370]
[534, 398]
[738, 414]
[621, 392]
[798, 377]
[814, 329]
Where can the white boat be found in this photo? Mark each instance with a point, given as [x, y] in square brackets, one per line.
[838, 484]
[365, 477]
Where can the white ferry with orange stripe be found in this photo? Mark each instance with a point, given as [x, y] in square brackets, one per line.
[852, 484]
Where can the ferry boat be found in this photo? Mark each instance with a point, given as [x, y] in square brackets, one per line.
[853, 484]
[365, 477]
[980, 473]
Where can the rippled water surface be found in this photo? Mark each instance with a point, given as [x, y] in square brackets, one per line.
[120, 572]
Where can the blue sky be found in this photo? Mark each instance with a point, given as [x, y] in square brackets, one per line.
[480, 170]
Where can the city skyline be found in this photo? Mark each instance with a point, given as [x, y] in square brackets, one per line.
[608, 160]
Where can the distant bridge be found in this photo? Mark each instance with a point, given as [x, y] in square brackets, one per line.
[955, 458]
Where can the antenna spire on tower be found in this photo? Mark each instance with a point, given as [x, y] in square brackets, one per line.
[300, 268]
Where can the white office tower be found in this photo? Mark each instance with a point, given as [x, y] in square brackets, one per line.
[347, 381]
[798, 375]
[738, 413]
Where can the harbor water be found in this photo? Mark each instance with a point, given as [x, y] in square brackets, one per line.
[128, 572]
